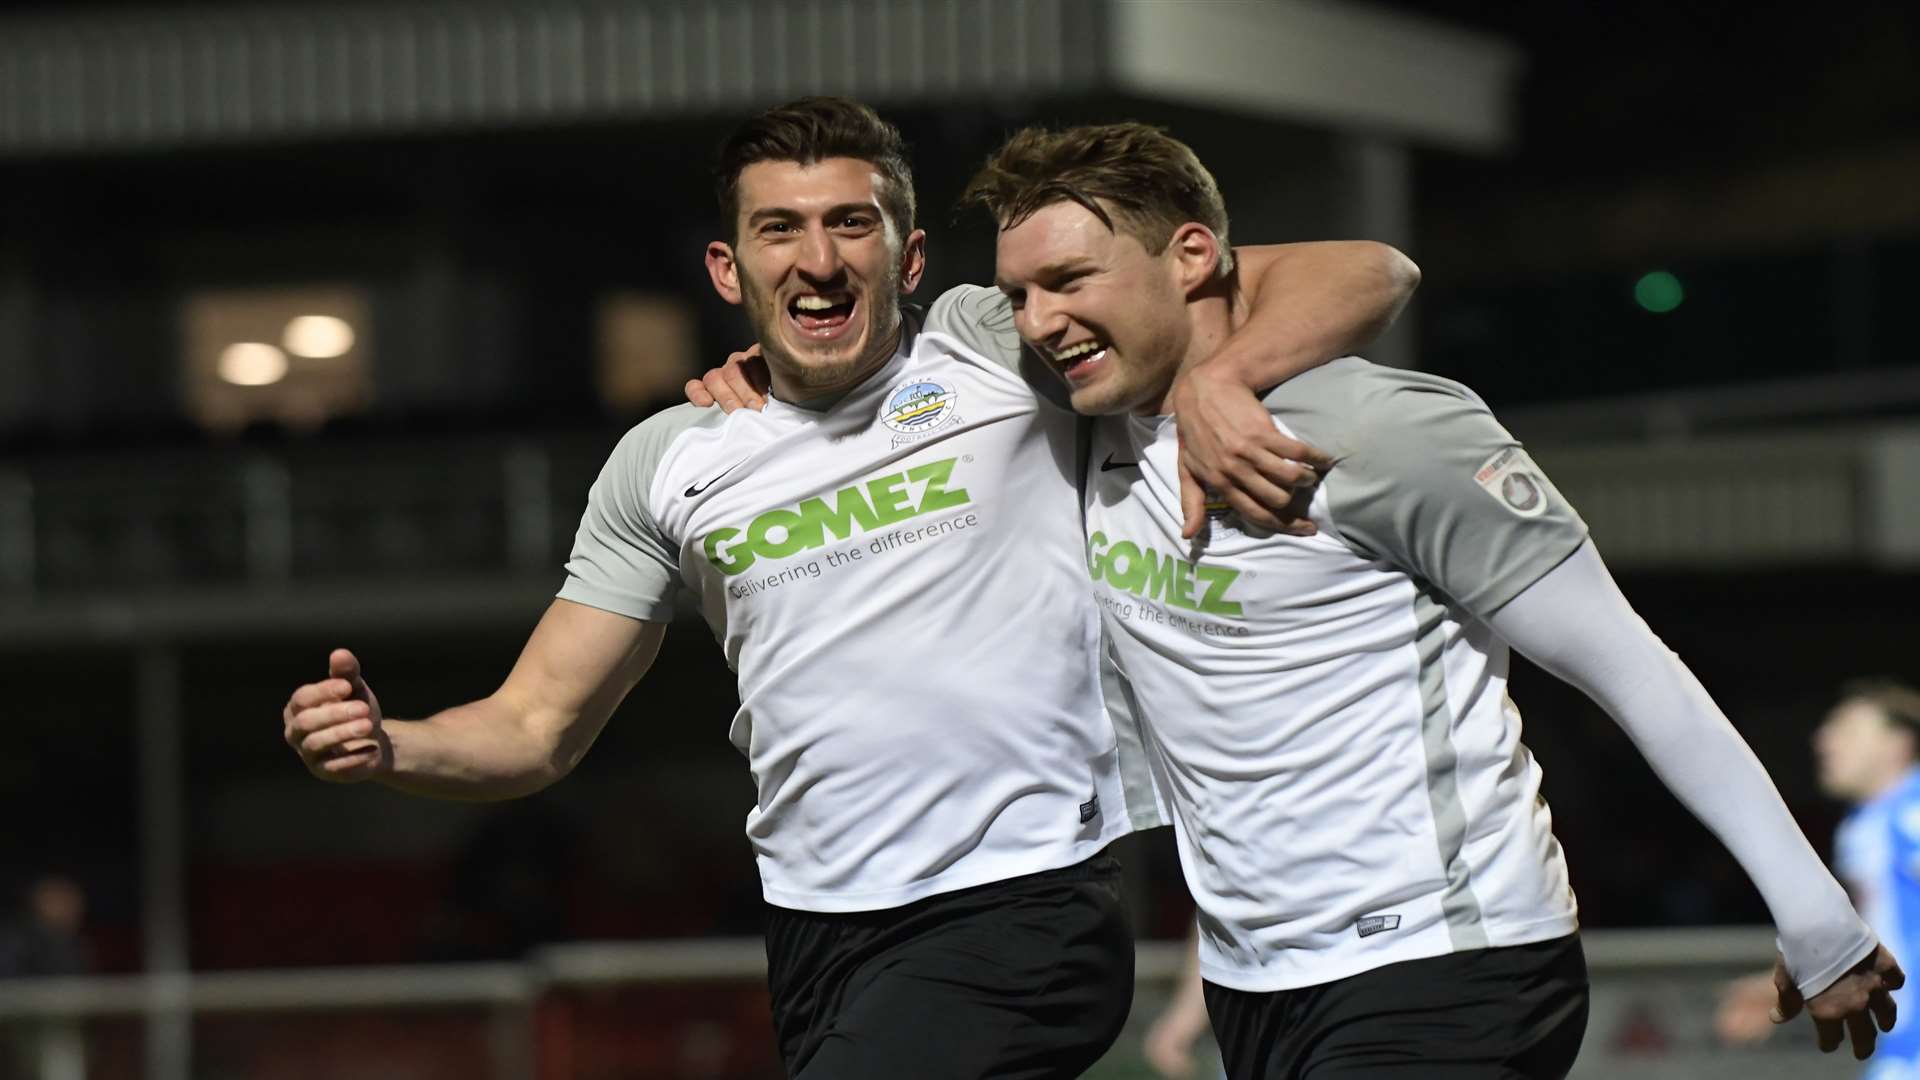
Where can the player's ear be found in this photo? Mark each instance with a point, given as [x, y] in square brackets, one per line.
[1196, 256]
[913, 261]
[724, 270]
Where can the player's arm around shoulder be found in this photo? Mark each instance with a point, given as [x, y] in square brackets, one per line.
[577, 666]
[1306, 304]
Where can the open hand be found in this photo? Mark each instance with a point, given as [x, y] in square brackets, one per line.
[1230, 448]
[1850, 1008]
[740, 383]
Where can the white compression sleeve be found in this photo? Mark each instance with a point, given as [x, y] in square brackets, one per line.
[1575, 623]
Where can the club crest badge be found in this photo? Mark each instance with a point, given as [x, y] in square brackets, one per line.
[1224, 521]
[918, 408]
[1220, 513]
[1511, 477]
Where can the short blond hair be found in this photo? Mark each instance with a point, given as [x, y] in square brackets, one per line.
[1152, 182]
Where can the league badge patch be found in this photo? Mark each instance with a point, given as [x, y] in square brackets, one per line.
[1511, 477]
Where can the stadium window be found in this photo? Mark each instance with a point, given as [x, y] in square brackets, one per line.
[646, 349]
[296, 356]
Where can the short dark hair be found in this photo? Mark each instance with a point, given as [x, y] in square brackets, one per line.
[1897, 701]
[1153, 181]
[813, 129]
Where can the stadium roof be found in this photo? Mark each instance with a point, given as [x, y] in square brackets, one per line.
[117, 79]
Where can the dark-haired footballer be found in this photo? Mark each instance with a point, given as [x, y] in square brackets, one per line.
[1380, 892]
[890, 556]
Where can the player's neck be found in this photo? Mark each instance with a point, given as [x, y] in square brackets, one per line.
[1211, 316]
[1211, 322]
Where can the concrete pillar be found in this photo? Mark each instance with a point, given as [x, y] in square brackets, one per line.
[61, 1050]
[18, 365]
[1378, 174]
[158, 714]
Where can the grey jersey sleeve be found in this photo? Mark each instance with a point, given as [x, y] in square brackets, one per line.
[1575, 624]
[1427, 479]
[982, 319]
[622, 562]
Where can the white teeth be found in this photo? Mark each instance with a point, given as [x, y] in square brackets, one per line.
[1077, 351]
[814, 303]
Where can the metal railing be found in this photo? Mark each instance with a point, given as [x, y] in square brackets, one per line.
[201, 519]
[1654, 995]
[1678, 415]
[199, 524]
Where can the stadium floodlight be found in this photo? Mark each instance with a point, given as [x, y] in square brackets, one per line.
[319, 337]
[252, 363]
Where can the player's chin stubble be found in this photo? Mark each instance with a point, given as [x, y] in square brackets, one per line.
[815, 376]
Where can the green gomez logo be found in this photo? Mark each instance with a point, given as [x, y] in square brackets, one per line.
[882, 501]
[1168, 579]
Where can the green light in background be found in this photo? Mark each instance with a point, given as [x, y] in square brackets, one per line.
[1658, 292]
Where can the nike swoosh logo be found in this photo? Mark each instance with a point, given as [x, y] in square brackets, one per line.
[1109, 465]
[698, 488]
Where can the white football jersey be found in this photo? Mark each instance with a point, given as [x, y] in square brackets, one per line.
[1329, 715]
[896, 579]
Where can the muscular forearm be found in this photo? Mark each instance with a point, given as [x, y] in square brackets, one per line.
[573, 672]
[479, 752]
[1309, 303]
[1575, 623]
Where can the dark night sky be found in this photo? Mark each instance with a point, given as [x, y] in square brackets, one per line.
[1623, 86]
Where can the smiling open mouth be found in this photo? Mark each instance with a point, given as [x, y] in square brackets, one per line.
[822, 315]
[1079, 361]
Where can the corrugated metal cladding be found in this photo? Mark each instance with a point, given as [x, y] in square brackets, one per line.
[120, 81]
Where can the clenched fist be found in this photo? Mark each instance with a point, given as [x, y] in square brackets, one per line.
[335, 724]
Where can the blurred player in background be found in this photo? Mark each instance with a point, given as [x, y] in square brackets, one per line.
[1380, 893]
[1868, 750]
[890, 556]
[1172, 1037]
[46, 937]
